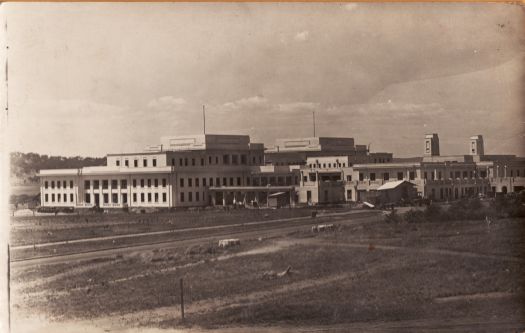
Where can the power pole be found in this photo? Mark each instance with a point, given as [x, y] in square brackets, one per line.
[204, 117]
[313, 116]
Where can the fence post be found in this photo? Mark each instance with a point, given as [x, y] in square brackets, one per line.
[8, 289]
[181, 299]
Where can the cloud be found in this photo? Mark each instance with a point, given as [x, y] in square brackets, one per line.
[350, 6]
[298, 106]
[302, 36]
[166, 102]
[247, 103]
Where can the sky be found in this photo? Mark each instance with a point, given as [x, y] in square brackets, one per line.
[91, 79]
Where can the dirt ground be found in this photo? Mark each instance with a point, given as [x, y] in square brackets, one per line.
[454, 276]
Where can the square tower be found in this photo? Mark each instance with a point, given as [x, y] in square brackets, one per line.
[431, 145]
[476, 145]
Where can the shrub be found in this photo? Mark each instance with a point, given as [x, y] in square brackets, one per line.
[433, 213]
[415, 216]
[393, 217]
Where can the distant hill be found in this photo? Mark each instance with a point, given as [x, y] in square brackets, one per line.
[24, 166]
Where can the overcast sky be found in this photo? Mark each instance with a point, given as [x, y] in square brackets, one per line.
[91, 79]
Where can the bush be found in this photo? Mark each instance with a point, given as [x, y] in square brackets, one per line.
[415, 216]
[393, 217]
[433, 213]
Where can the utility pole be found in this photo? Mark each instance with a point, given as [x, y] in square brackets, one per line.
[204, 117]
[181, 299]
[313, 116]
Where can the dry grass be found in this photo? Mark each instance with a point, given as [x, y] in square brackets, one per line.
[329, 283]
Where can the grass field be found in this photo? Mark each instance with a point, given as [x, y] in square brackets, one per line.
[29, 230]
[378, 272]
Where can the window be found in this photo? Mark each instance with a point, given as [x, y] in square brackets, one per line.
[192, 162]
[47, 197]
[202, 161]
[465, 175]
[216, 159]
[217, 181]
[181, 182]
[58, 184]
[53, 197]
[349, 178]
[149, 197]
[238, 181]
[114, 198]
[209, 159]
[105, 184]
[64, 184]
[144, 162]
[134, 183]
[190, 182]
[483, 174]
[425, 175]
[197, 196]
[114, 183]
[224, 181]
[45, 185]
[164, 197]
[123, 183]
[182, 197]
[96, 184]
[225, 159]
[211, 181]
[124, 198]
[70, 184]
[154, 162]
[71, 197]
[439, 174]
[190, 196]
[412, 175]
[87, 198]
[65, 197]
[106, 198]
[156, 197]
[135, 163]
[173, 162]
[118, 163]
[126, 163]
[203, 181]
[156, 182]
[231, 181]
[248, 181]
[324, 165]
[134, 197]
[185, 161]
[235, 159]
[163, 182]
[180, 161]
[149, 182]
[372, 176]
[361, 176]
[196, 182]
[142, 197]
[312, 176]
[142, 183]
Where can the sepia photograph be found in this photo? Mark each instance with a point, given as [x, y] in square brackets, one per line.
[262, 167]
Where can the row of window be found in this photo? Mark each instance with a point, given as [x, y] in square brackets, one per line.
[144, 197]
[59, 197]
[386, 176]
[124, 183]
[136, 162]
[226, 159]
[190, 196]
[335, 165]
[59, 184]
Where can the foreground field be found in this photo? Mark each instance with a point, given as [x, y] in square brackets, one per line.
[394, 277]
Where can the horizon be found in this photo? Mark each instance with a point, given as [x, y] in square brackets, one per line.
[94, 79]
